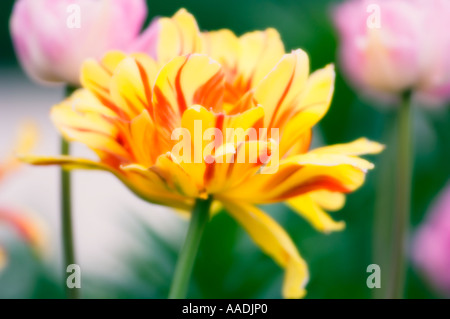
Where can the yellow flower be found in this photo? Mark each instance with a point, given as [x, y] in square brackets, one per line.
[23, 144]
[132, 104]
[27, 225]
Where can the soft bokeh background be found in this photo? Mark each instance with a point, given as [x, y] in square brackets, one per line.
[128, 248]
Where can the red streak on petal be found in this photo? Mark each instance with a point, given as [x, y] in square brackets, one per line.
[210, 94]
[165, 116]
[147, 88]
[281, 100]
[319, 182]
[104, 99]
[179, 91]
[209, 170]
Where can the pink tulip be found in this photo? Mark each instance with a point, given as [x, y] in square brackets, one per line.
[53, 37]
[431, 245]
[389, 47]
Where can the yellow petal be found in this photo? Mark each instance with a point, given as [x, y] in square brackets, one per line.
[90, 128]
[177, 36]
[148, 188]
[96, 76]
[250, 156]
[279, 90]
[148, 64]
[312, 105]
[217, 168]
[197, 120]
[66, 162]
[260, 52]
[224, 47]
[237, 102]
[243, 126]
[359, 147]
[138, 134]
[297, 176]
[236, 166]
[301, 146]
[306, 207]
[175, 177]
[330, 159]
[148, 184]
[275, 242]
[182, 83]
[129, 88]
[148, 69]
[216, 207]
[330, 201]
[83, 100]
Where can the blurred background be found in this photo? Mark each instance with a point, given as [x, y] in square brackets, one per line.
[128, 248]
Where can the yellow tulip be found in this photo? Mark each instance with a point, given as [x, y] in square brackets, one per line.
[130, 105]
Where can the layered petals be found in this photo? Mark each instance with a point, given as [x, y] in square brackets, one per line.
[301, 174]
[278, 93]
[313, 104]
[247, 59]
[167, 38]
[216, 116]
[184, 82]
[260, 52]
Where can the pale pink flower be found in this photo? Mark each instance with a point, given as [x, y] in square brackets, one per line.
[53, 37]
[431, 245]
[389, 47]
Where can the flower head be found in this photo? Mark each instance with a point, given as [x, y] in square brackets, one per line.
[431, 244]
[389, 47]
[28, 226]
[160, 124]
[53, 37]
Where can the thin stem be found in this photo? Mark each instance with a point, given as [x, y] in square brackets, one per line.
[402, 200]
[384, 205]
[183, 270]
[66, 217]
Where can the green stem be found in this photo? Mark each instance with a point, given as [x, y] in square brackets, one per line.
[66, 216]
[402, 200]
[383, 224]
[183, 270]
